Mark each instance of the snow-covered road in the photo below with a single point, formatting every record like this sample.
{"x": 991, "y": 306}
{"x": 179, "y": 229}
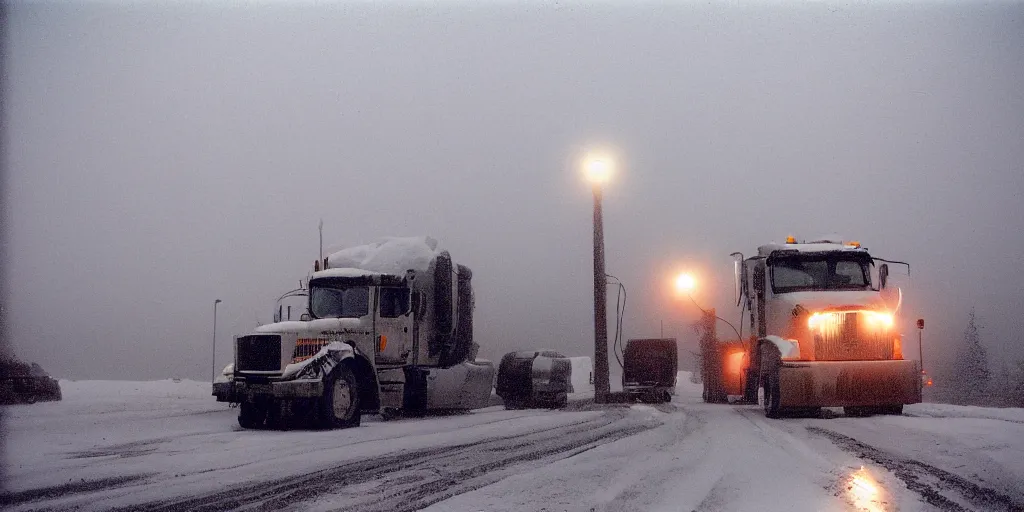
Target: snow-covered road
{"x": 168, "y": 446}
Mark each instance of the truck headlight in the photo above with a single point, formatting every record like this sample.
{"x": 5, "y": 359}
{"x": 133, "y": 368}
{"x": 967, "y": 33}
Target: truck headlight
{"x": 879, "y": 319}
{"x": 823, "y": 320}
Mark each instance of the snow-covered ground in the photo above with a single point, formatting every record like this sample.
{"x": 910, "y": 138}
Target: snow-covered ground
{"x": 169, "y": 446}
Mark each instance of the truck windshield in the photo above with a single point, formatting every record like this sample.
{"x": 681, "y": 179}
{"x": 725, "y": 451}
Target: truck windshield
{"x": 348, "y": 302}
{"x": 820, "y": 272}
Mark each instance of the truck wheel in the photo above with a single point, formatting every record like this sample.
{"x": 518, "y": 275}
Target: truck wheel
{"x": 339, "y": 407}
{"x": 560, "y": 401}
{"x": 770, "y": 381}
{"x": 250, "y": 415}
{"x": 894, "y": 410}
{"x": 858, "y": 412}
{"x": 414, "y": 393}
{"x": 389, "y": 413}
{"x": 514, "y": 403}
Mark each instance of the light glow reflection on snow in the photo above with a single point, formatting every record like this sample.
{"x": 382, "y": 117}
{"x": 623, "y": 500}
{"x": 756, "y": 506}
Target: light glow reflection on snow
{"x": 865, "y": 491}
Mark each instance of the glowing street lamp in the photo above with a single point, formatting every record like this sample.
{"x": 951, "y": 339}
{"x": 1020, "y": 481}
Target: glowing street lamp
{"x": 598, "y": 170}
{"x": 685, "y": 283}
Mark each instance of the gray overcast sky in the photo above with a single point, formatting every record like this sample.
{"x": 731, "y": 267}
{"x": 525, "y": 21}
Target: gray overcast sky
{"x": 159, "y": 156}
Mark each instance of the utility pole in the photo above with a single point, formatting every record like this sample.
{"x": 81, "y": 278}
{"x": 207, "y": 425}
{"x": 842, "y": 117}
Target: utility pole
{"x": 601, "y": 384}
{"x": 711, "y": 362}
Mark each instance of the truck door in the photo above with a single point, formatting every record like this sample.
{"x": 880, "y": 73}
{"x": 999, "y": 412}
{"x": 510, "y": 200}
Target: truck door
{"x": 393, "y": 321}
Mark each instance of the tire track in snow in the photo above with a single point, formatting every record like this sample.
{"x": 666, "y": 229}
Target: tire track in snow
{"x": 936, "y": 486}
{"x": 413, "y": 480}
{"x": 8, "y": 499}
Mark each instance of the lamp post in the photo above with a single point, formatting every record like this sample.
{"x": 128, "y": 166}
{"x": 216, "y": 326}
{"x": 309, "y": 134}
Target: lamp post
{"x": 213, "y": 357}
{"x": 710, "y": 353}
{"x": 685, "y": 283}
{"x": 598, "y": 170}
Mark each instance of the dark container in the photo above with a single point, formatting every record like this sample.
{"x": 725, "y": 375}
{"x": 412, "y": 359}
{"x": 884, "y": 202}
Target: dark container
{"x": 650, "y": 366}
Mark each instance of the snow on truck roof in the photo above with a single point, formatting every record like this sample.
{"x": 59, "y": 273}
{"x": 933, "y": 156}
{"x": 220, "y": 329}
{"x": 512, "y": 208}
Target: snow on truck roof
{"x": 392, "y": 255}
{"x": 824, "y": 246}
{"x": 345, "y": 272}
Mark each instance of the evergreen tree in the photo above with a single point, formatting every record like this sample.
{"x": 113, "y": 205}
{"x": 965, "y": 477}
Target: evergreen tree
{"x": 1017, "y": 387}
{"x": 970, "y": 369}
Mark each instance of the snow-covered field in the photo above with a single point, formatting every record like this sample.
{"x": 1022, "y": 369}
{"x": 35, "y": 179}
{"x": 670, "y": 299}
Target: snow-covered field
{"x": 168, "y": 445}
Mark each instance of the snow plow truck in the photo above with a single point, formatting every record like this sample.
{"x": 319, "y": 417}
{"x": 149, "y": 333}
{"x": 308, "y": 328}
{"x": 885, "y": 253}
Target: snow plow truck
{"x": 380, "y": 320}
{"x": 824, "y": 333}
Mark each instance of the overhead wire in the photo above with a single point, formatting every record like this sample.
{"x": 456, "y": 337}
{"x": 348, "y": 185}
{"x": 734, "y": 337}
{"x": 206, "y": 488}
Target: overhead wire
{"x": 620, "y": 311}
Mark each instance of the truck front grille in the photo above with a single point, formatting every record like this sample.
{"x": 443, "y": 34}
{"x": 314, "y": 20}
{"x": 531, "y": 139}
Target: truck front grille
{"x": 306, "y": 348}
{"x": 847, "y": 337}
{"x": 258, "y": 353}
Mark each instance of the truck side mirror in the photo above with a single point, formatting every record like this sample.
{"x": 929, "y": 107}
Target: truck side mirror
{"x": 883, "y": 276}
{"x": 737, "y": 278}
{"x": 739, "y": 271}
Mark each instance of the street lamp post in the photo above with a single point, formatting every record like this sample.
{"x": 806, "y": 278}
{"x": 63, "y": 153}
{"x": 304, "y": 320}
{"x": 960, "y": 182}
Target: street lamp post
{"x": 710, "y": 354}
{"x": 685, "y": 283}
{"x": 213, "y": 357}
{"x": 598, "y": 171}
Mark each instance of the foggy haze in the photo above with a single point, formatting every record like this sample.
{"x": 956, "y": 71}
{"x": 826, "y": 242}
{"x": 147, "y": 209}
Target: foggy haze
{"x": 158, "y": 157}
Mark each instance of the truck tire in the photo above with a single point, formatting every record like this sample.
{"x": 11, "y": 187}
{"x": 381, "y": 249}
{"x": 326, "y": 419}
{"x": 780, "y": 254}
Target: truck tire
{"x": 559, "y": 401}
{"x": 414, "y": 393}
{"x": 893, "y": 410}
{"x": 461, "y": 343}
{"x": 515, "y": 403}
{"x": 339, "y": 407}
{"x": 443, "y": 300}
{"x": 858, "y": 412}
{"x": 770, "y": 363}
{"x": 251, "y": 415}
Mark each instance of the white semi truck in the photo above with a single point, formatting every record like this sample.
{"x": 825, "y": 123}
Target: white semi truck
{"x": 388, "y": 328}
{"x": 822, "y": 333}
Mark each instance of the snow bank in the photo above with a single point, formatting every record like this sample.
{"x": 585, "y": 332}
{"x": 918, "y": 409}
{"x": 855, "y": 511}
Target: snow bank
{"x": 392, "y": 255}
{"x": 687, "y": 385}
{"x": 582, "y": 376}
{"x": 1014, "y": 414}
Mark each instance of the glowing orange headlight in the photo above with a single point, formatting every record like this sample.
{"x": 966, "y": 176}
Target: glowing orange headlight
{"x": 880, "y": 319}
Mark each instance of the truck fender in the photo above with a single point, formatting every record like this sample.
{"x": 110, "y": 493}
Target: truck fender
{"x": 321, "y": 364}
{"x": 789, "y": 349}
{"x": 328, "y": 358}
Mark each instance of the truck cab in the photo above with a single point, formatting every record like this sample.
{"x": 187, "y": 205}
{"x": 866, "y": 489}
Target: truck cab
{"x": 368, "y": 341}
{"x": 369, "y": 308}
{"x": 821, "y": 298}
{"x": 825, "y": 329}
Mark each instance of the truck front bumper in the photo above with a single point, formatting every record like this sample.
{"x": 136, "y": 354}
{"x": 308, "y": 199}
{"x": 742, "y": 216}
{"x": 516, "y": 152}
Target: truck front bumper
{"x": 849, "y": 383}
{"x": 241, "y": 391}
